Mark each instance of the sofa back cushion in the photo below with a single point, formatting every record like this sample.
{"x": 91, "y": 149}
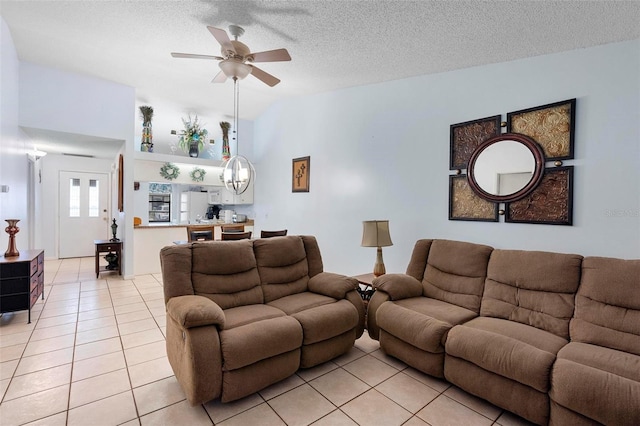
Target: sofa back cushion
{"x": 314, "y": 259}
{"x": 455, "y": 272}
{"x": 532, "y": 287}
{"x": 282, "y": 265}
{"x": 226, "y": 272}
{"x": 418, "y": 262}
{"x": 608, "y": 304}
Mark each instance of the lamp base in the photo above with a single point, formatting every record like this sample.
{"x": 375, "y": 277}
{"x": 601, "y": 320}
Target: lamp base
{"x": 378, "y": 267}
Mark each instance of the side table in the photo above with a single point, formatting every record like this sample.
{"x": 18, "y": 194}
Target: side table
{"x": 365, "y": 289}
{"x": 107, "y": 246}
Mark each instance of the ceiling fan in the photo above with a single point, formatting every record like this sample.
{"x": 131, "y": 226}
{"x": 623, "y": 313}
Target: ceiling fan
{"x": 236, "y": 58}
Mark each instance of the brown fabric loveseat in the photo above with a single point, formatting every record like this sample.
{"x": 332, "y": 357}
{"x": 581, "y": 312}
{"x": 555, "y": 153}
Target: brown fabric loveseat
{"x": 552, "y": 337}
{"x": 242, "y": 315}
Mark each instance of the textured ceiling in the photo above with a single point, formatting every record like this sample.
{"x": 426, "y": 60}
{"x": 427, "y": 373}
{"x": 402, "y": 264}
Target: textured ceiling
{"x": 334, "y": 44}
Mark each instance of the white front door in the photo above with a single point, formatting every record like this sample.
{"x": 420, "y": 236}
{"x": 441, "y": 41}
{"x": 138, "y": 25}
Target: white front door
{"x": 83, "y": 210}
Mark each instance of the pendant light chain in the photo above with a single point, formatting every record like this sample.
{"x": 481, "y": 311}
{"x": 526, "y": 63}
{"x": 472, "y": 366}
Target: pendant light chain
{"x": 236, "y": 111}
{"x": 238, "y": 171}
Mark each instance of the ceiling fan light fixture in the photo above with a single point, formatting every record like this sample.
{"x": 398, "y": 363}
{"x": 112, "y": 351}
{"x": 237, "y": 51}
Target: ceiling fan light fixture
{"x": 234, "y": 69}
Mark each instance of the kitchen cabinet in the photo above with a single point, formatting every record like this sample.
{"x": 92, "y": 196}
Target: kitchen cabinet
{"x": 21, "y": 281}
{"x": 226, "y": 197}
{"x": 159, "y": 207}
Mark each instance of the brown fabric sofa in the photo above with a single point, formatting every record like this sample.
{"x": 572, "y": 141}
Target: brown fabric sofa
{"x": 596, "y": 378}
{"x": 442, "y": 292}
{"x": 242, "y": 315}
{"x": 552, "y": 337}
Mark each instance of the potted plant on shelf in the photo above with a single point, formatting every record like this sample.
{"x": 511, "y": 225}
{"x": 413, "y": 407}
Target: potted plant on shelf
{"x": 193, "y": 137}
{"x": 146, "y": 144}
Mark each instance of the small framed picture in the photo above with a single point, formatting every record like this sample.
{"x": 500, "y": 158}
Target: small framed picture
{"x": 300, "y": 174}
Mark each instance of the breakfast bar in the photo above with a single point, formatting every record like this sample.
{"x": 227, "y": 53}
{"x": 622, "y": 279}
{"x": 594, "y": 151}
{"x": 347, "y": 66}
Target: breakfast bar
{"x": 149, "y": 239}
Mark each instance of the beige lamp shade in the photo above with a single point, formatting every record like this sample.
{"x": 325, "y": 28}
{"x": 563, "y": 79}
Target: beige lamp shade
{"x": 375, "y": 233}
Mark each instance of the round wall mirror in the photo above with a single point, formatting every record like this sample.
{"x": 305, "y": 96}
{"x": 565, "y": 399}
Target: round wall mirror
{"x": 506, "y": 168}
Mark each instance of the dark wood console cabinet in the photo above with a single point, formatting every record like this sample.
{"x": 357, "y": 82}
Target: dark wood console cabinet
{"x": 21, "y": 281}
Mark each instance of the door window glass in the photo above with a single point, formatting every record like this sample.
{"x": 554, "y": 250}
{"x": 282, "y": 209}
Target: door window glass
{"x": 74, "y": 197}
{"x": 94, "y": 199}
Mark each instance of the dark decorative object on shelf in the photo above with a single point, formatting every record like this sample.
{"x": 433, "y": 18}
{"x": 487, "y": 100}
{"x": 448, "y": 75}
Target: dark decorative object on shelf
{"x": 112, "y": 258}
{"x": 114, "y": 229}
{"x": 193, "y": 136}
{"x": 12, "y": 230}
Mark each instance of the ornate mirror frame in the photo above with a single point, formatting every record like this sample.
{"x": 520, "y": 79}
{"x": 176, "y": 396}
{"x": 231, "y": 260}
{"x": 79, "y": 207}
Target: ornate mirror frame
{"x": 538, "y": 171}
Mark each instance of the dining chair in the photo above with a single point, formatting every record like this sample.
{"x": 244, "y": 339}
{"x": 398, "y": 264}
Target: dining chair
{"x": 269, "y": 234}
{"x": 200, "y": 233}
{"x": 228, "y": 236}
{"x": 232, "y": 228}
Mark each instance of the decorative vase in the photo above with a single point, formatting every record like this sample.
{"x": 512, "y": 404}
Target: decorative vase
{"x": 114, "y": 229}
{"x": 147, "y": 138}
{"x": 112, "y": 258}
{"x": 226, "y": 152}
{"x": 193, "y": 148}
{"x": 12, "y": 230}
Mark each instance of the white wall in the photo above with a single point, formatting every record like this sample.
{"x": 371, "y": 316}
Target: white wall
{"x": 67, "y": 102}
{"x": 14, "y": 166}
{"x": 381, "y": 152}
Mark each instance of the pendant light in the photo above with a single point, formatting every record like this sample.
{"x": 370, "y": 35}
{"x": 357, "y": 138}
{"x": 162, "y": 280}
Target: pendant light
{"x": 238, "y": 170}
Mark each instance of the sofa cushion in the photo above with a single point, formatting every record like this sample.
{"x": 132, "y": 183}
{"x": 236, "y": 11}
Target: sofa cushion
{"x": 510, "y": 349}
{"x": 532, "y": 287}
{"x": 242, "y": 315}
{"x": 232, "y": 279}
{"x": 327, "y": 321}
{"x": 300, "y": 302}
{"x": 608, "y": 304}
{"x": 455, "y": 273}
{"x": 600, "y": 383}
{"x": 421, "y": 321}
{"x": 259, "y": 340}
{"x": 282, "y": 265}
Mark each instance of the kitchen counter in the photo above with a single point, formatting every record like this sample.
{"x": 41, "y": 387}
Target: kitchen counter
{"x": 148, "y": 240}
{"x": 249, "y": 222}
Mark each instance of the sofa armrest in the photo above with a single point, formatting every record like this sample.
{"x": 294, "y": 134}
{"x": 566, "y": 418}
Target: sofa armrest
{"x": 195, "y": 311}
{"x": 332, "y": 285}
{"x": 398, "y": 286}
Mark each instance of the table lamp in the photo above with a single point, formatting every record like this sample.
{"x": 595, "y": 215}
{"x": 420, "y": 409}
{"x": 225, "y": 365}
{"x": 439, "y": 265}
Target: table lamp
{"x": 375, "y": 233}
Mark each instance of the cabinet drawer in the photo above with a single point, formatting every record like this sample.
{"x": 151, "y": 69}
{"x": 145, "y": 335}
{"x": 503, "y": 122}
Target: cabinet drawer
{"x": 14, "y": 285}
{"x": 41, "y": 262}
{"x": 108, "y": 247}
{"x": 34, "y": 296}
{"x": 35, "y": 280}
{"x": 18, "y": 269}
{"x": 14, "y": 302}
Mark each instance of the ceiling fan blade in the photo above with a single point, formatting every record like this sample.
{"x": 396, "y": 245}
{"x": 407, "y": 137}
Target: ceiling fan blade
{"x": 276, "y": 55}
{"x": 194, "y": 56}
{"x": 264, "y": 76}
{"x": 219, "y": 78}
{"x": 222, "y": 37}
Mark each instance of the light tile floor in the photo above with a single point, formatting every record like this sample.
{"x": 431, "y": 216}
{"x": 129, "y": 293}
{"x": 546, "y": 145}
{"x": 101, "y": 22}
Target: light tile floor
{"x": 94, "y": 354}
